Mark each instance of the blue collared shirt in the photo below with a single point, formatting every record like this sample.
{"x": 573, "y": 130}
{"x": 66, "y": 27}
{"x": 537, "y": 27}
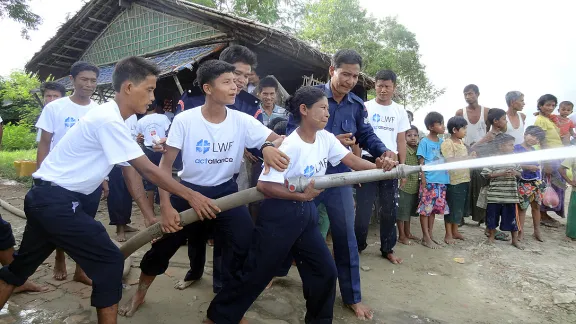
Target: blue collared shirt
{"x": 348, "y": 116}
{"x": 277, "y": 112}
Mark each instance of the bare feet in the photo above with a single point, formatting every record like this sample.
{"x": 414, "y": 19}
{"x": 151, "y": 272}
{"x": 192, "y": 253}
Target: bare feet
{"x": 430, "y": 244}
{"x": 520, "y": 235}
{"x": 393, "y": 258}
{"x": 150, "y": 221}
{"x": 517, "y": 245}
{"x": 60, "y": 272}
{"x": 30, "y": 286}
{"x": 538, "y": 236}
{"x": 405, "y": 241}
{"x": 181, "y": 284}
{"x": 120, "y": 236}
{"x": 448, "y": 239}
{"x": 490, "y": 241}
{"x": 412, "y": 237}
{"x": 458, "y": 236}
{"x": 133, "y": 304}
{"x": 130, "y": 229}
{"x": 80, "y": 276}
{"x": 362, "y": 311}
{"x": 435, "y": 241}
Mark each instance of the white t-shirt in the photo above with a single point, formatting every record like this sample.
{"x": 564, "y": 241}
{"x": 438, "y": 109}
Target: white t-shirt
{"x": 1, "y": 120}
{"x": 387, "y": 122}
{"x": 59, "y": 116}
{"x": 573, "y": 118}
{"x": 87, "y": 153}
{"x": 154, "y": 124}
{"x": 132, "y": 124}
{"x": 308, "y": 159}
{"x": 212, "y": 153}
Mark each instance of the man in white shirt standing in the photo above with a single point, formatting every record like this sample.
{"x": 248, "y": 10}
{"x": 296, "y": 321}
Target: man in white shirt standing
{"x": 50, "y": 91}
{"x": 390, "y": 122}
{"x": 55, "y": 206}
{"x": 56, "y": 119}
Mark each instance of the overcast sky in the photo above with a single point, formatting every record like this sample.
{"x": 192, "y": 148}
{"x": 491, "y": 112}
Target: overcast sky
{"x": 498, "y": 45}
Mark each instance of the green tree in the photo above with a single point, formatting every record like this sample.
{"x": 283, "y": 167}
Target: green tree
{"x": 383, "y": 43}
{"x": 265, "y": 11}
{"x": 18, "y": 103}
{"x": 19, "y": 11}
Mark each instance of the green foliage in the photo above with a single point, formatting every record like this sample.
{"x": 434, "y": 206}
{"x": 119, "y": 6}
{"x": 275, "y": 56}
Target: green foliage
{"x": 19, "y": 11}
{"x": 7, "y": 169}
{"x": 21, "y": 106}
{"x": 265, "y": 11}
{"x": 18, "y": 137}
{"x": 383, "y": 43}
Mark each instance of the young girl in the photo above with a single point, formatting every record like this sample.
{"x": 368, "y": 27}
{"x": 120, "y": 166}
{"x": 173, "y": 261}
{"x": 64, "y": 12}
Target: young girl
{"x": 288, "y": 221}
{"x": 433, "y": 186}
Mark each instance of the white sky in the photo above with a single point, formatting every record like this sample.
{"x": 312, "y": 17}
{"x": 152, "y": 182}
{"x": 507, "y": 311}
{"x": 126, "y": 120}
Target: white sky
{"x": 499, "y": 45}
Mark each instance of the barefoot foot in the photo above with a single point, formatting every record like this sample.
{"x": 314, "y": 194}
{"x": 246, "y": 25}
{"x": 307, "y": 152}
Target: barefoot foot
{"x": 448, "y": 239}
{"x": 30, "y": 286}
{"x": 538, "y": 236}
{"x": 362, "y": 311}
{"x": 60, "y": 272}
{"x": 181, "y": 284}
{"x": 518, "y": 245}
{"x": 405, "y": 241}
{"x": 430, "y": 244}
{"x": 458, "y": 236}
{"x": 120, "y": 237}
{"x": 414, "y": 238}
{"x": 80, "y": 276}
{"x": 435, "y": 241}
{"x": 130, "y": 229}
{"x": 393, "y": 258}
{"x": 133, "y": 304}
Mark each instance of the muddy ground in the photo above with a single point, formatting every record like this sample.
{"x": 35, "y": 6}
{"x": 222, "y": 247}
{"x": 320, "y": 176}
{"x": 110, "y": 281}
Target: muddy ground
{"x": 495, "y": 284}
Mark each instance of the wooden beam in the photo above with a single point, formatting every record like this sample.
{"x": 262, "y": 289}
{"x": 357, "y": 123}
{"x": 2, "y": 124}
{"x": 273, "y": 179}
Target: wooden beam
{"x": 90, "y": 30}
{"x": 97, "y": 20}
{"x": 64, "y": 56}
{"x": 178, "y": 84}
{"x": 80, "y": 39}
{"x": 51, "y": 66}
{"x": 73, "y": 48}
{"x": 125, "y": 3}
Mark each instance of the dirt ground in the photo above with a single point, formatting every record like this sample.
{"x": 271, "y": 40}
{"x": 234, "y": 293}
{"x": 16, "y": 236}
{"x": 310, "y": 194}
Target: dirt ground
{"x": 495, "y": 284}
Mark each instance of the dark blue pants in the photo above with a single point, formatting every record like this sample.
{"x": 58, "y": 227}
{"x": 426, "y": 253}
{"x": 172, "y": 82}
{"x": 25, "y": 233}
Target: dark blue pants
{"x": 119, "y": 199}
{"x": 56, "y": 218}
{"x": 6, "y": 236}
{"x": 283, "y": 227}
{"x": 155, "y": 158}
{"x": 232, "y": 235}
{"x": 387, "y": 194}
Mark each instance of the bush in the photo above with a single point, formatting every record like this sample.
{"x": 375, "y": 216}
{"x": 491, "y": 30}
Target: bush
{"x": 18, "y": 137}
{"x": 7, "y": 169}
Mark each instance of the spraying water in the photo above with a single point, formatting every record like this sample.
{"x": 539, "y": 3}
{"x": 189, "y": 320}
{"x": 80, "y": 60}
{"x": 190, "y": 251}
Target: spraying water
{"x": 516, "y": 158}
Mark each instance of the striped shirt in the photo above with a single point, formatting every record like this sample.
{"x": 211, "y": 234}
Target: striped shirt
{"x": 502, "y": 190}
{"x": 413, "y": 182}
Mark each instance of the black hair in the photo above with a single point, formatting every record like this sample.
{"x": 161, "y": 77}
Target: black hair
{"x": 456, "y": 122}
{"x": 414, "y": 128}
{"x": 569, "y": 103}
{"x": 386, "y": 75}
{"x": 210, "y": 70}
{"x": 432, "y": 118}
{"x": 275, "y": 121}
{"x": 268, "y": 82}
{"x": 238, "y": 53}
{"x": 280, "y": 127}
{"x": 410, "y": 113}
{"x": 83, "y": 66}
{"x": 501, "y": 139}
{"x": 547, "y": 97}
{"x": 472, "y": 87}
{"x": 495, "y": 114}
{"x": 346, "y": 56}
{"x": 55, "y": 86}
{"x": 537, "y": 132}
{"x": 306, "y": 95}
{"x": 133, "y": 68}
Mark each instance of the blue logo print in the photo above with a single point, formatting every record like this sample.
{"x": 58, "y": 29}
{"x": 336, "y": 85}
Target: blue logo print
{"x": 376, "y": 117}
{"x": 69, "y": 122}
{"x": 202, "y": 146}
{"x": 309, "y": 171}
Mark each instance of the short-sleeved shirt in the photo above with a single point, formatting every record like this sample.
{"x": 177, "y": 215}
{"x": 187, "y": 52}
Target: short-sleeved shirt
{"x": 526, "y": 174}
{"x": 502, "y": 190}
{"x": 387, "y": 122}
{"x": 153, "y": 124}
{"x": 60, "y": 115}
{"x": 413, "y": 184}
{"x": 552, "y": 131}
{"x": 87, "y": 152}
{"x": 565, "y": 125}
{"x": 450, "y": 149}
{"x": 277, "y": 112}
{"x": 307, "y": 159}
{"x": 212, "y": 153}
{"x": 431, "y": 152}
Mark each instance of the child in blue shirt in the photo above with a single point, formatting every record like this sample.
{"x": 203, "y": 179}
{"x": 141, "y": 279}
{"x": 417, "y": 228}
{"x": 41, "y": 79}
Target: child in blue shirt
{"x": 434, "y": 183}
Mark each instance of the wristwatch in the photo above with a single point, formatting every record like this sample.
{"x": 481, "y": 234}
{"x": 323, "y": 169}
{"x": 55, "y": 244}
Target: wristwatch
{"x": 266, "y": 144}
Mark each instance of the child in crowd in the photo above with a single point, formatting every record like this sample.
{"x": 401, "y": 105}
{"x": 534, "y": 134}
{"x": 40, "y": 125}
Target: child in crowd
{"x": 530, "y": 185}
{"x": 433, "y": 185}
{"x": 408, "y": 193}
{"x": 502, "y": 195}
{"x": 454, "y": 149}
{"x": 564, "y": 123}
{"x": 571, "y": 221}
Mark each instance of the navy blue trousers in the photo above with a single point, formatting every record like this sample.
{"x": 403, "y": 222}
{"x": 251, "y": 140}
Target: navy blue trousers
{"x": 232, "y": 234}
{"x": 283, "y": 227}
{"x": 57, "y": 218}
{"x": 119, "y": 199}
{"x": 387, "y": 194}
{"x": 6, "y": 236}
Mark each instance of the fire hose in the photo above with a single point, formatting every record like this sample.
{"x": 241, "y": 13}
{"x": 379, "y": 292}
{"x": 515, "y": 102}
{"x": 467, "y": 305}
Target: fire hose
{"x": 252, "y": 195}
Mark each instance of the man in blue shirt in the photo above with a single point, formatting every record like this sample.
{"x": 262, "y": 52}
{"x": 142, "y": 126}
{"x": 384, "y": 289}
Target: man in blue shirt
{"x": 268, "y": 94}
{"x": 349, "y": 122}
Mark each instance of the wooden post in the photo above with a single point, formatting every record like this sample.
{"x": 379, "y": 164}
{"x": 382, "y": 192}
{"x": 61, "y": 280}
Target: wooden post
{"x": 38, "y": 99}
{"x": 101, "y": 95}
{"x": 178, "y": 84}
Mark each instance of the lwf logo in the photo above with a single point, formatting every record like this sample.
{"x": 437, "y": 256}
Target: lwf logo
{"x": 386, "y": 119}
{"x": 309, "y": 171}
{"x": 69, "y": 122}
{"x": 376, "y": 118}
{"x": 202, "y": 146}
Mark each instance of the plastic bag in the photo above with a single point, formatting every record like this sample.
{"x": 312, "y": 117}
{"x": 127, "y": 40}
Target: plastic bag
{"x": 550, "y": 198}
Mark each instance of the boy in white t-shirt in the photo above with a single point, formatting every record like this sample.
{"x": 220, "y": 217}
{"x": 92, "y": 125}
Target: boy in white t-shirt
{"x": 50, "y": 91}
{"x": 288, "y": 221}
{"x": 212, "y": 139}
{"x": 390, "y": 122}
{"x": 55, "y": 206}
{"x": 56, "y": 119}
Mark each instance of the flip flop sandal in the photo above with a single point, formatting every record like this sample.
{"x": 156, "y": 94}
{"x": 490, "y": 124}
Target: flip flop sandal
{"x": 501, "y": 236}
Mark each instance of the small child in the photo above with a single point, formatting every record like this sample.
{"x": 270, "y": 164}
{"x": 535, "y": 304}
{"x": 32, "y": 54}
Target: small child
{"x": 564, "y": 123}
{"x": 502, "y": 195}
{"x": 571, "y": 221}
{"x": 408, "y": 193}
{"x": 433, "y": 184}
{"x": 530, "y": 185}
{"x": 453, "y": 149}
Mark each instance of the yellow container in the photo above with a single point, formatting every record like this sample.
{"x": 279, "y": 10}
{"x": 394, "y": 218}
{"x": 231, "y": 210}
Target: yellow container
{"x": 25, "y": 168}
